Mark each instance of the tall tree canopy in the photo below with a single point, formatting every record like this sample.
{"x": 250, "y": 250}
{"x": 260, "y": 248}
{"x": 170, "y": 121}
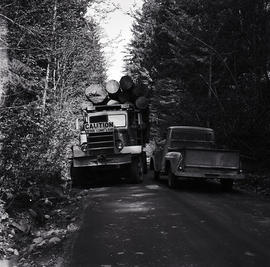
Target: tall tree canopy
{"x": 54, "y": 53}
{"x": 207, "y": 63}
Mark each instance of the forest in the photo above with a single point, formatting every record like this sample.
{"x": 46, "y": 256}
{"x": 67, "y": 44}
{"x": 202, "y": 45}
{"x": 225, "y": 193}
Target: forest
{"x": 207, "y": 64}
{"x": 54, "y": 53}
{"x": 204, "y": 62}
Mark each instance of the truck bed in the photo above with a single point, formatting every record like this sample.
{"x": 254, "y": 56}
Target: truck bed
{"x": 211, "y": 158}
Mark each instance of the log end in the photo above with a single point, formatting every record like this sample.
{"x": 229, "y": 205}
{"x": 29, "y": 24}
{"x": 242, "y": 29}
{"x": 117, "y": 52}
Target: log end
{"x": 96, "y": 93}
{"x": 126, "y": 83}
{"x": 112, "y": 86}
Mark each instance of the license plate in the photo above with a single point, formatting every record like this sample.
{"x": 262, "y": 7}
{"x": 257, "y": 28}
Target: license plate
{"x": 97, "y": 127}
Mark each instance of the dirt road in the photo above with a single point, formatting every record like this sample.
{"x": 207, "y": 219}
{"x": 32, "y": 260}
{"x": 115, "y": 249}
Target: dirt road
{"x": 151, "y": 225}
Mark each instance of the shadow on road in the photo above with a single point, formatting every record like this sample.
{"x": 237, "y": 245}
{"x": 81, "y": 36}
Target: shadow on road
{"x": 103, "y": 179}
{"x": 197, "y": 186}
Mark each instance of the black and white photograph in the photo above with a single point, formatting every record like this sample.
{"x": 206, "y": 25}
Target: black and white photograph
{"x": 134, "y": 133}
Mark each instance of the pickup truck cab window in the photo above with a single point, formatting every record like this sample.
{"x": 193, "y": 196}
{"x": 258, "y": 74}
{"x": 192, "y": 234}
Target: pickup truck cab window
{"x": 193, "y": 135}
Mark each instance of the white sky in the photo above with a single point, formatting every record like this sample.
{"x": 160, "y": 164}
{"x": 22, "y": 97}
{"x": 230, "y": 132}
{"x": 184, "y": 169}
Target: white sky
{"x": 116, "y": 35}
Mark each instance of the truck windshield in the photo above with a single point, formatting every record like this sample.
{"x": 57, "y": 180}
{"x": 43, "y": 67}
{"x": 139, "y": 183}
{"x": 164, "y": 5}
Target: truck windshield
{"x": 192, "y": 135}
{"x": 119, "y": 120}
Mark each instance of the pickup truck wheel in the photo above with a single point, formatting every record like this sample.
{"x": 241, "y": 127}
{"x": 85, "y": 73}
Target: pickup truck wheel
{"x": 136, "y": 169}
{"x": 172, "y": 179}
{"x": 227, "y": 184}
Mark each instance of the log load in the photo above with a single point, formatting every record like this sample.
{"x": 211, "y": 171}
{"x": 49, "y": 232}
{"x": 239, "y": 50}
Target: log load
{"x": 124, "y": 97}
{"x": 86, "y": 105}
{"x": 96, "y": 93}
{"x": 113, "y": 89}
{"x": 140, "y": 89}
{"x": 112, "y": 102}
{"x": 123, "y": 92}
{"x": 126, "y": 83}
{"x": 142, "y": 102}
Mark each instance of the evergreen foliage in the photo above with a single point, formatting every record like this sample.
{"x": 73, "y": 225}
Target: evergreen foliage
{"x": 207, "y": 63}
{"x": 54, "y": 53}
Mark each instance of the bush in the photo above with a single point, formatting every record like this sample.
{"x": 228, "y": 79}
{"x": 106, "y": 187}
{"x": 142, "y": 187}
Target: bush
{"x": 35, "y": 145}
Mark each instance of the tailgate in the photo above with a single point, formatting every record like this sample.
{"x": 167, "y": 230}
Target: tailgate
{"x": 218, "y": 159}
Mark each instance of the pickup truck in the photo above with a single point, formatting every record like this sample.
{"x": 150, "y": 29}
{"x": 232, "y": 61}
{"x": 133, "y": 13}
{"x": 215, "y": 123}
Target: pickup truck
{"x": 191, "y": 152}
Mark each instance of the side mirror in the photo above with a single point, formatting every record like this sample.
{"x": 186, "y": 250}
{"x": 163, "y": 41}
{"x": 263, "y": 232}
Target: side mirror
{"x": 77, "y": 124}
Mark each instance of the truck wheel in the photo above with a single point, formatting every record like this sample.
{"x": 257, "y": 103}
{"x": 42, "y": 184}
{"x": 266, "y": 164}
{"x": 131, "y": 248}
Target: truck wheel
{"x": 136, "y": 169}
{"x": 151, "y": 166}
{"x": 156, "y": 175}
{"x": 227, "y": 184}
{"x": 76, "y": 176}
{"x": 145, "y": 169}
{"x": 172, "y": 179}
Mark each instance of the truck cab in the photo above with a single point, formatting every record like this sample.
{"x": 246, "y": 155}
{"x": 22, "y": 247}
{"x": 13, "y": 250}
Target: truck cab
{"x": 111, "y": 137}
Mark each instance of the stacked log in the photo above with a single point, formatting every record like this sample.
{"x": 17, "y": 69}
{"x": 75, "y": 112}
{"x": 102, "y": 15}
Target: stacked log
{"x": 114, "y": 92}
{"x": 113, "y": 89}
{"x": 96, "y": 93}
{"x": 123, "y": 92}
{"x": 142, "y": 102}
{"x": 126, "y": 83}
{"x": 112, "y": 102}
{"x": 139, "y": 89}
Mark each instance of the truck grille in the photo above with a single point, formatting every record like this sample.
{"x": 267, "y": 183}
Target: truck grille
{"x": 100, "y": 143}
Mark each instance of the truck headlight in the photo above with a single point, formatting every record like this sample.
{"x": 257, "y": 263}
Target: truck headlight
{"x": 119, "y": 144}
{"x": 83, "y": 138}
{"x": 84, "y": 147}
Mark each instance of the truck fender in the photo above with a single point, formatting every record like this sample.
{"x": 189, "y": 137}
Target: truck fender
{"x": 175, "y": 159}
{"x": 132, "y": 150}
{"x": 77, "y": 152}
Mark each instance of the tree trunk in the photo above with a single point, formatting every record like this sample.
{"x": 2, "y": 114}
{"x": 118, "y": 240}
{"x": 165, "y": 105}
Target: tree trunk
{"x": 54, "y": 60}
{"x": 209, "y": 89}
{"x": 3, "y": 56}
{"x": 46, "y": 86}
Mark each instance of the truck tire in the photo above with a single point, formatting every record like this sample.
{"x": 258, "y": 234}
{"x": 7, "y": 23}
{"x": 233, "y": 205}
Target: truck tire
{"x": 136, "y": 170}
{"x": 76, "y": 176}
{"x": 151, "y": 166}
{"x": 145, "y": 169}
{"x": 156, "y": 175}
{"x": 172, "y": 179}
{"x": 227, "y": 184}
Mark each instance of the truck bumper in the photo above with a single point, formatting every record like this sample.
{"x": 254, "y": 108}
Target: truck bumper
{"x": 105, "y": 161}
{"x": 211, "y": 175}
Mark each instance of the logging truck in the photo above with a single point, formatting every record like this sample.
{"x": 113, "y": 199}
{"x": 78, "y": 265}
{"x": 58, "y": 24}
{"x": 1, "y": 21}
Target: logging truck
{"x": 112, "y": 137}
